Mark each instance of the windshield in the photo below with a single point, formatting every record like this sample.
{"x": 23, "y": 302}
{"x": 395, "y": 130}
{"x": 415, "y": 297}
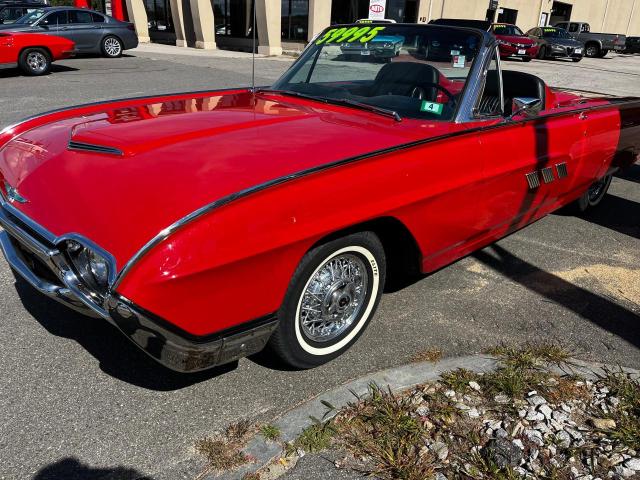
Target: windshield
{"x": 413, "y": 71}
{"x": 31, "y": 17}
{"x": 555, "y": 33}
{"x": 507, "y": 30}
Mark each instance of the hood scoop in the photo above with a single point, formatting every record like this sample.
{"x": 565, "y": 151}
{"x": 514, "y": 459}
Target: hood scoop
{"x": 93, "y": 148}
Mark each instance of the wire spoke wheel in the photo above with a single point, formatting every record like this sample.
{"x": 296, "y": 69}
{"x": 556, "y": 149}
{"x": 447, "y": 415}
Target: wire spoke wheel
{"x": 334, "y": 297}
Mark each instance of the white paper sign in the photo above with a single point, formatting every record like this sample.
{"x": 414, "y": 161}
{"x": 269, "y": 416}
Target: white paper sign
{"x": 377, "y": 9}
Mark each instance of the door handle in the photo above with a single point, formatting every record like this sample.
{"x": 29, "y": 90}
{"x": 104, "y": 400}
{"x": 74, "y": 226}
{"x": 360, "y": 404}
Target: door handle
{"x": 583, "y": 116}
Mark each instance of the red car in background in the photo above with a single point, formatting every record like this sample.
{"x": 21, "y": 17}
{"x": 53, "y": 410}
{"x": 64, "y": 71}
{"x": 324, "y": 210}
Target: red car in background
{"x": 513, "y": 42}
{"x": 33, "y": 52}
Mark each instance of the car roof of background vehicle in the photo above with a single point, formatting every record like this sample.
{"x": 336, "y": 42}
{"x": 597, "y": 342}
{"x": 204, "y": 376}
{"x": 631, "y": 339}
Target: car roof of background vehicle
{"x": 462, "y": 22}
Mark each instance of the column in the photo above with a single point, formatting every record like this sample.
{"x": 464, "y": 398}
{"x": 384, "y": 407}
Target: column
{"x": 178, "y": 22}
{"x": 269, "y": 31}
{"x": 425, "y": 11}
{"x": 116, "y": 9}
{"x": 319, "y": 16}
{"x": 138, "y": 16}
{"x": 203, "y": 24}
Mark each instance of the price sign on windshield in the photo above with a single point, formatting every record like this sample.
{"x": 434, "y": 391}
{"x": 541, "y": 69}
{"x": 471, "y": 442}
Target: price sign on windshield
{"x": 348, "y": 35}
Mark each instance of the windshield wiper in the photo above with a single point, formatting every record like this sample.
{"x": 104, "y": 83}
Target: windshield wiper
{"x": 365, "y": 106}
{"x": 336, "y": 101}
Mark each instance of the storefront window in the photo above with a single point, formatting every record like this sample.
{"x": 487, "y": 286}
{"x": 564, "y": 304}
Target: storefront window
{"x": 159, "y": 15}
{"x": 402, "y": 11}
{"x": 348, "y": 11}
{"x": 234, "y": 18}
{"x": 295, "y": 20}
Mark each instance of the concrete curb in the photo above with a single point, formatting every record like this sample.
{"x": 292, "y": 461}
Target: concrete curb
{"x": 293, "y": 422}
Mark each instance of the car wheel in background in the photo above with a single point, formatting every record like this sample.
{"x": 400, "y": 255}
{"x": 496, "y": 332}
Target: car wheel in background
{"x": 332, "y": 296}
{"x": 542, "y": 53}
{"x": 603, "y": 53}
{"x": 592, "y": 50}
{"x": 112, "y": 46}
{"x": 594, "y": 195}
{"x": 577, "y": 59}
{"x": 526, "y": 59}
{"x": 35, "y": 61}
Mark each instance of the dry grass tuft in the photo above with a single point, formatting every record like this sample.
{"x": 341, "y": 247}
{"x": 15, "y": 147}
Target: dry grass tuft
{"x": 433, "y": 355}
{"x": 224, "y": 452}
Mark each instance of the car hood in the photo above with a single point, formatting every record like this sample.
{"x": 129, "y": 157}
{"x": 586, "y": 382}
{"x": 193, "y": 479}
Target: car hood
{"x": 16, "y": 28}
{"x": 121, "y": 175}
{"x": 516, "y": 39}
{"x": 565, "y": 42}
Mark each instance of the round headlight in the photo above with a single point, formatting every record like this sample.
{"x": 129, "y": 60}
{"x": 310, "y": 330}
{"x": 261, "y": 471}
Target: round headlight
{"x": 99, "y": 268}
{"x": 92, "y": 267}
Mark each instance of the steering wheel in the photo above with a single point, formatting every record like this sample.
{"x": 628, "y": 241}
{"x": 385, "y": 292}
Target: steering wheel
{"x": 420, "y": 93}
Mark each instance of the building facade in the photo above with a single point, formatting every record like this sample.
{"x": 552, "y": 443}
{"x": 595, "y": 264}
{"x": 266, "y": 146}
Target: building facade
{"x": 289, "y": 24}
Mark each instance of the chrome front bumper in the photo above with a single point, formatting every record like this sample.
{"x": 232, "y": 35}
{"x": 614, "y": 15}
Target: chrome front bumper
{"x": 33, "y": 254}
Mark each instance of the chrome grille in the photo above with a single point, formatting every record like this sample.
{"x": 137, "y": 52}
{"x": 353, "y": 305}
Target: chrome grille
{"x": 533, "y": 180}
{"x": 561, "y": 168}
{"x": 547, "y": 175}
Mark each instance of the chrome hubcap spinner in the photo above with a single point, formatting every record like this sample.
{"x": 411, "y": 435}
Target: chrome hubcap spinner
{"x": 334, "y": 297}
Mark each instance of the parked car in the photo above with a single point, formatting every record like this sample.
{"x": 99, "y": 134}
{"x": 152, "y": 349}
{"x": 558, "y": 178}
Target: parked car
{"x": 632, "y": 45}
{"x": 92, "y": 32}
{"x": 556, "y": 43}
{"x": 12, "y": 11}
{"x": 32, "y": 52}
{"x": 210, "y": 237}
{"x": 595, "y": 44}
{"x": 382, "y": 46}
{"x": 513, "y": 42}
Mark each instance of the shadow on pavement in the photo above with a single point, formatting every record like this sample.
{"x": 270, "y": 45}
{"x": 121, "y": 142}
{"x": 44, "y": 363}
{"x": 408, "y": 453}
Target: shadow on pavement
{"x": 631, "y": 174}
{"x": 118, "y": 357}
{"x": 618, "y": 214}
{"x": 16, "y": 72}
{"x": 600, "y": 311}
{"x": 71, "y": 469}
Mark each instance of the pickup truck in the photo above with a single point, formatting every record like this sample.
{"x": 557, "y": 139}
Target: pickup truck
{"x": 595, "y": 44}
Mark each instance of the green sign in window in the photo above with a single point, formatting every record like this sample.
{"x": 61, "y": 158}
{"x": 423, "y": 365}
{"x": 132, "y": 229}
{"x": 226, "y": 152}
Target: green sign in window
{"x": 431, "y": 107}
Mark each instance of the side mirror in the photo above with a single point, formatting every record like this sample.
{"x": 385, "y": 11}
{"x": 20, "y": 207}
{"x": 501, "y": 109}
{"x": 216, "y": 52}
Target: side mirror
{"x": 528, "y": 106}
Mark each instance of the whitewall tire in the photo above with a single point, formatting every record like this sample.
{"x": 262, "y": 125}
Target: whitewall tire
{"x": 331, "y": 298}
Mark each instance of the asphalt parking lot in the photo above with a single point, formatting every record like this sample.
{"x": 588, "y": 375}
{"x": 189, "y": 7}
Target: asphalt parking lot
{"x": 77, "y": 401}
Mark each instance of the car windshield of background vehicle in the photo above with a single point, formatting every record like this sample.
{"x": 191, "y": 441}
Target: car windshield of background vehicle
{"x": 409, "y": 70}
{"x": 507, "y": 30}
{"x": 31, "y": 17}
{"x": 555, "y": 33}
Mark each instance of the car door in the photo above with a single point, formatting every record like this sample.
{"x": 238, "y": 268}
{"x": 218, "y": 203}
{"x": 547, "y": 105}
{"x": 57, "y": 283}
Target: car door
{"x": 55, "y": 23}
{"x": 83, "y": 30}
{"x": 526, "y": 164}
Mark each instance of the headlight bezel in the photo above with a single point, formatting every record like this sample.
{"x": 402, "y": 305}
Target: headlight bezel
{"x": 93, "y": 266}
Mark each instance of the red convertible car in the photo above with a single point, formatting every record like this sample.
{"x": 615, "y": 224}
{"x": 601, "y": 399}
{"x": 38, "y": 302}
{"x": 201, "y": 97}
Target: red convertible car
{"x": 33, "y": 52}
{"x": 206, "y": 226}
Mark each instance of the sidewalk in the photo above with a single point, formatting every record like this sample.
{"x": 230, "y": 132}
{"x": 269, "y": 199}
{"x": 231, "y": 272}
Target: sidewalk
{"x": 158, "y": 48}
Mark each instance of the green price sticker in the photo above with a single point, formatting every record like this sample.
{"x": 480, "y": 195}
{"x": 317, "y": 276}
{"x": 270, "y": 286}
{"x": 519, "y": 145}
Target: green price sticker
{"x": 353, "y": 34}
{"x": 431, "y": 107}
